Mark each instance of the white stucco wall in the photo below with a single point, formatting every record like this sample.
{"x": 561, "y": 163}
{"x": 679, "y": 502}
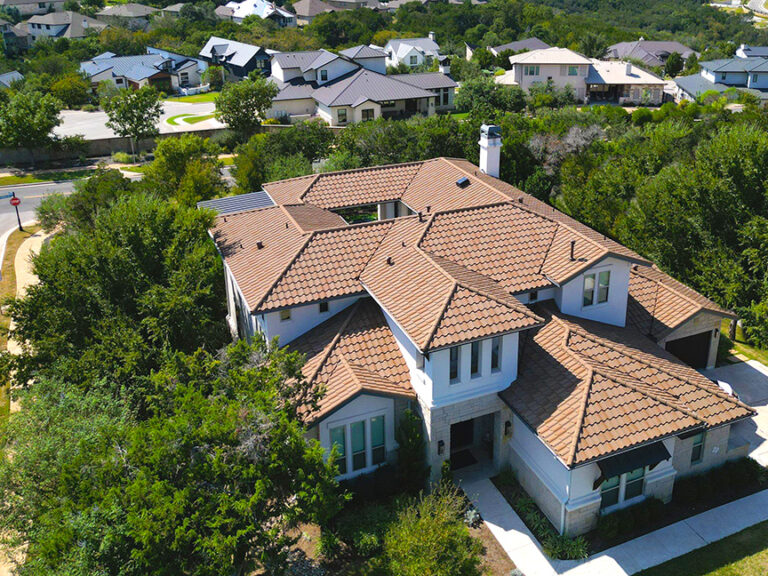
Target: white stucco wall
{"x": 284, "y": 74}
{"x": 555, "y": 72}
{"x": 466, "y": 387}
{"x": 543, "y": 294}
{"x": 614, "y": 311}
{"x": 421, "y": 377}
{"x": 375, "y": 64}
{"x": 334, "y": 69}
{"x": 303, "y": 318}
{"x": 300, "y": 107}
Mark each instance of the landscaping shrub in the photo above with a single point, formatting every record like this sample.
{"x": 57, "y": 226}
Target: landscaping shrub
{"x": 121, "y": 158}
{"x": 380, "y": 484}
{"x": 734, "y": 476}
{"x": 328, "y": 546}
{"x": 429, "y": 537}
{"x": 226, "y": 139}
{"x": 412, "y": 467}
{"x": 362, "y": 526}
{"x": 624, "y": 521}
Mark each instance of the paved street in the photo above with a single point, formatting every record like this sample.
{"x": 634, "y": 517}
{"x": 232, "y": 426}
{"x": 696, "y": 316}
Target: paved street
{"x": 92, "y": 125}
{"x": 31, "y": 196}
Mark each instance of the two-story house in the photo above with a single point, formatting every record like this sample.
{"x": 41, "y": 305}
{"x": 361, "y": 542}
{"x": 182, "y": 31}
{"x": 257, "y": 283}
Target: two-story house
{"x": 521, "y": 336}
{"x": 352, "y": 86}
{"x": 65, "y": 24}
{"x": 412, "y": 51}
{"x": 749, "y": 74}
{"x": 264, "y": 9}
{"x": 236, "y": 58}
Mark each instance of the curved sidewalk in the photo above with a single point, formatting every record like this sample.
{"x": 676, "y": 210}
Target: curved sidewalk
{"x": 625, "y": 559}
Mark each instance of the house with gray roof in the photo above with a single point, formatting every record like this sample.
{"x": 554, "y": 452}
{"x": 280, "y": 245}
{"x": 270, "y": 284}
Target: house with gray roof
{"x": 132, "y": 16}
{"x": 13, "y": 39}
{"x": 32, "y": 7}
{"x": 650, "y": 52}
{"x": 525, "y": 45}
{"x": 744, "y": 74}
{"x": 264, "y": 9}
{"x": 306, "y": 10}
{"x": 412, "y": 51}
{"x": 746, "y": 51}
{"x": 166, "y": 71}
{"x": 237, "y": 58}
{"x": 349, "y": 87}
{"x": 62, "y": 25}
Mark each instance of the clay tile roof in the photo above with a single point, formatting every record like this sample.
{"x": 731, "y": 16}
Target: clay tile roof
{"x": 309, "y": 218}
{"x": 590, "y": 390}
{"x": 353, "y": 353}
{"x": 658, "y": 303}
{"x": 289, "y": 191}
{"x": 437, "y": 302}
{"x": 328, "y": 266}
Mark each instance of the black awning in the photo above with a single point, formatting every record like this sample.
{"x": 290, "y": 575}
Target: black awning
{"x": 649, "y": 455}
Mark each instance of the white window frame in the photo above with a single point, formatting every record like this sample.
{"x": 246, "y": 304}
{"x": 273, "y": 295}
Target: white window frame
{"x": 500, "y": 354}
{"x": 595, "y": 275}
{"x": 348, "y": 456}
{"x": 698, "y": 443}
{"x": 623, "y": 501}
{"x": 531, "y": 70}
{"x": 457, "y": 350}
{"x": 476, "y": 359}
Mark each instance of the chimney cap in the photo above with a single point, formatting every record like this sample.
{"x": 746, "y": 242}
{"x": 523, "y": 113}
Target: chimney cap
{"x": 490, "y": 131}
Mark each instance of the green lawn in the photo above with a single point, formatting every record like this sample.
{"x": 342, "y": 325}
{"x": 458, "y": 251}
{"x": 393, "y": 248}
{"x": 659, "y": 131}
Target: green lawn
{"x": 460, "y": 115}
{"x": 196, "y": 98}
{"x": 36, "y": 177}
{"x": 174, "y": 120}
{"x": 196, "y": 119}
{"x": 740, "y": 346}
{"x": 743, "y": 554}
{"x": 137, "y": 169}
{"x": 228, "y": 160}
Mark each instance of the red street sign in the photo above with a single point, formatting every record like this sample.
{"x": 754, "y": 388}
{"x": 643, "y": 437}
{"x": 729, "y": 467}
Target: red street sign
{"x": 15, "y": 201}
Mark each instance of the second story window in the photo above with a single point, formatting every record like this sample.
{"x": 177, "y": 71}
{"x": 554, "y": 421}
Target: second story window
{"x": 323, "y": 75}
{"x": 496, "y": 353}
{"x": 285, "y": 315}
{"x": 530, "y": 70}
{"x": 323, "y": 307}
{"x": 453, "y": 371}
{"x": 596, "y": 294}
{"x": 573, "y": 70}
{"x": 474, "y": 364}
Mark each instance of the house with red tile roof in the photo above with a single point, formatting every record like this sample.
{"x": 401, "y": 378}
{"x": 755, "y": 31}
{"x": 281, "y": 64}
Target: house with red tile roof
{"x": 522, "y": 337}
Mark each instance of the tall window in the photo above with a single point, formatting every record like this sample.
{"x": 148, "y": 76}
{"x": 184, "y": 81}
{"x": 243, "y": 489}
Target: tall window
{"x": 378, "y": 453}
{"x": 589, "y": 289}
{"x": 445, "y": 97}
{"x": 633, "y": 483}
{"x": 367, "y": 114}
{"x": 609, "y": 492}
{"x": 697, "y": 451}
{"x": 603, "y": 281}
{"x": 357, "y": 433}
{"x": 454, "y": 364}
{"x": 342, "y": 115}
{"x": 496, "y": 353}
{"x": 323, "y": 75}
{"x": 414, "y": 60}
{"x": 475, "y": 358}
{"x": 573, "y": 70}
{"x": 339, "y": 439}
{"x": 622, "y": 488}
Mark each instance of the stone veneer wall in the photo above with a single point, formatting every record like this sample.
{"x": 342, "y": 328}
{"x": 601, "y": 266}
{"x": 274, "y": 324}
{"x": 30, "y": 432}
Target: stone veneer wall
{"x": 715, "y": 452}
{"x": 437, "y": 423}
{"x": 582, "y": 520}
{"x": 536, "y": 489}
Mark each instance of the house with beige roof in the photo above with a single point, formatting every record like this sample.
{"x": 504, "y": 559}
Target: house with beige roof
{"x": 522, "y": 337}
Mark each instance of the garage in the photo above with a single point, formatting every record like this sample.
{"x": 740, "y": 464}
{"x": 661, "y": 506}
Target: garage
{"x": 693, "y": 350}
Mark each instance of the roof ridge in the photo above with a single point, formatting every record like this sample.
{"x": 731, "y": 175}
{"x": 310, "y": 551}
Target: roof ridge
{"x": 361, "y": 169}
{"x": 312, "y": 181}
{"x": 283, "y": 273}
{"x": 439, "y": 318}
{"x": 334, "y": 341}
{"x": 437, "y": 213}
{"x": 587, "y": 380}
{"x": 284, "y": 210}
{"x": 660, "y": 284}
{"x": 349, "y": 76}
{"x": 474, "y": 175}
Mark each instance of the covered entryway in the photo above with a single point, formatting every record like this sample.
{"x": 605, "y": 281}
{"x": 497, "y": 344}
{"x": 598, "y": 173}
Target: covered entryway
{"x": 693, "y": 350}
{"x": 471, "y": 441}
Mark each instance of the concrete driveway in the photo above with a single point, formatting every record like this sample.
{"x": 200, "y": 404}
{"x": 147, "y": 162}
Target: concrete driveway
{"x": 92, "y": 125}
{"x": 750, "y": 381}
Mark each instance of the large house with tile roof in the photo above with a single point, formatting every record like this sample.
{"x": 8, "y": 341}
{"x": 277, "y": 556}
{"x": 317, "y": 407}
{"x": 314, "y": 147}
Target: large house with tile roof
{"x": 522, "y": 337}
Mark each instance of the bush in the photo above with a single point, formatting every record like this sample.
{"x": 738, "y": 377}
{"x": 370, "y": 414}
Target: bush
{"x": 733, "y": 476}
{"x": 271, "y": 122}
{"x": 624, "y": 521}
{"x": 225, "y": 139}
{"x": 429, "y": 537}
{"x": 380, "y": 484}
{"x": 412, "y": 468}
{"x": 362, "y": 527}
{"x": 90, "y": 108}
{"x": 329, "y": 546}
{"x": 641, "y": 116}
{"x": 121, "y": 158}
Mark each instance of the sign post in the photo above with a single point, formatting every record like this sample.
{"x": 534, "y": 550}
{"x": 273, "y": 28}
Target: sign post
{"x": 15, "y": 203}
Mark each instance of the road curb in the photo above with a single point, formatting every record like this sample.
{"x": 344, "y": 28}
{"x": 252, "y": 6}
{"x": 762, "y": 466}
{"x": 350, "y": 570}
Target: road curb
{"x": 6, "y": 235}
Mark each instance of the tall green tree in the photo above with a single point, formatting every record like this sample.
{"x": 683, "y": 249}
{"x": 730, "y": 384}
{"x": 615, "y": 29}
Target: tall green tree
{"x": 243, "y": 105}
{"x": 27, "y": 121}
{"x": 134, "y": 114}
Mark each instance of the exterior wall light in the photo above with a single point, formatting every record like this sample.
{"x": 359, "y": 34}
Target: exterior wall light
{"x": 507, "y": 428}
{"x": 440, "y": 447}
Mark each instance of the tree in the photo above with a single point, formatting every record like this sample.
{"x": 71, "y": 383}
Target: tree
{"x": 242, "y": 105}
{"x": 185, "y": 168}
{"x": 593, "y": 45}
{"x": 71, "y": 89}
{"x": 213, "y": 481}
{"x": 27, "y": 120}
{"x": 412, "y": 469}
{"x": 284, "y": 167}
{"x": 134, "y": 114}
{"x": 214, "y": 77}
{"x": 674, "y": 65}
{"x": 430, "y": 537}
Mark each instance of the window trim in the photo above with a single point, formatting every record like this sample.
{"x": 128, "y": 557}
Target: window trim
{"x": 498, "y": 340}
{"x": 368, "y": 111}
{"x": 574, "y": 69}
{"x": 454, "y": 379}
{"x": 285, "y": 315}
{"x": 339, "y": 112}
{"x": 476, "y": 359}
{"x": 622, "y": 500}
{"x": 346, "y": 424}
{"x": 698, "y": 444}
{"x": 595, "y": 274}
{"x": 323, "y": 75}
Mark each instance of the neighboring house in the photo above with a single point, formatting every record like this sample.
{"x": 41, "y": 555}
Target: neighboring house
{"x": 130, "y": 15}
{"x": 393, "y": 5}
{"x": 174, "y": 10}
{"x": 224, "y": 12}
{"x": 306, "y": 10}
{"x": 561, "y": 66}
{"x": 7, "y": 79}
{"x": 350, "y": 87}
{"x": 264, "y": 9}
{"x": 525, "y": 45}
{"x": 15, "y": 39}
{"x": 356, "y": 4}
{"x": 623, "y": 83}
{"x": 164, "y": 70}
{"x": 746, "y": 74}
{"x": 745, "y": 51}
{"x": 32, "y": 7}
{"x": 522, "y": 337}
{"x": 412, "y": 51}
{"x": 62, "y": 25}
{"x": 649, "y": 52}
{"x": 237, "y": 58}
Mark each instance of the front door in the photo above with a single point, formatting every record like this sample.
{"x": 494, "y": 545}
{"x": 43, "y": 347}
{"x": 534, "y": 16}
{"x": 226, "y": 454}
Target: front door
{"x": 462, "y": 435}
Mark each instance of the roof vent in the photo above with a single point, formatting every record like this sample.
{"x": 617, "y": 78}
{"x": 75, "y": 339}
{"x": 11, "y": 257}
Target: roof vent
{"x": 428, "y": 209}
{"x": 573, "y": 250}
{"x": 421, "y": 216}
{"x": 462, "y": 182}
{"x": 286, "y": 225}
{"x": 259, "y": 245}
{"x": 520, "y": 200}
{"x": 390, "y": 261}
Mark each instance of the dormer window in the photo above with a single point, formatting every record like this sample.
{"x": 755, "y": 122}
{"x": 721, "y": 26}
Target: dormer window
{"x": 323, "y": 75}
{"x": 596, "y": 294}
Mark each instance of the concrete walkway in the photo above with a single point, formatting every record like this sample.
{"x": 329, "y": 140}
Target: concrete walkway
{"x": 622, "y": 560}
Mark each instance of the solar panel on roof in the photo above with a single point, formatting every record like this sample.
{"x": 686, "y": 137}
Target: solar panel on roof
{"x": 239, "y": 203}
